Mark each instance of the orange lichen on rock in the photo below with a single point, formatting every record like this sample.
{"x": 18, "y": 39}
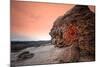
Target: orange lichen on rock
{"x": 70, "y": 34}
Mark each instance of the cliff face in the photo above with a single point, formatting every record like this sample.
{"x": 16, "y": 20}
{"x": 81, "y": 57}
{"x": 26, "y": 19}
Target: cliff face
{"x": 75, "y": 27}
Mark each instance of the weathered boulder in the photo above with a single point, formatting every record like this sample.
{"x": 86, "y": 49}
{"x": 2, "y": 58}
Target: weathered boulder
{"x": 24, "y": 55}
{"x": 75, "y": 27}
{"x": 69, "y": 54}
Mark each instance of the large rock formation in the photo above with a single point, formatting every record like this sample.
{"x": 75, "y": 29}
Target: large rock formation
{"x": 76, "y": 27}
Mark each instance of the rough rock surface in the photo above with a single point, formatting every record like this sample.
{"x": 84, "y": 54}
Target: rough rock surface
{"x": 76, "y": 27}
{"x": 46, "y": 55}
{"x": 25, "y": 55}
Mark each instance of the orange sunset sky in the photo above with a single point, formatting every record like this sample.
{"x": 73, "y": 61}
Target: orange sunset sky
{"x": 33, "y": 20}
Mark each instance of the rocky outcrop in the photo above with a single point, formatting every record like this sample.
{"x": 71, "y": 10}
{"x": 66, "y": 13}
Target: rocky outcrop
{"x": 46, "y": 55}
{"x": 75, "y": 27}
{"x": 69, "y": 54}
{"x": 25, "y": 55}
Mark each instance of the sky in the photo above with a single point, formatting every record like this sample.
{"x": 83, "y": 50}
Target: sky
{"x": 34, "y": 20}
